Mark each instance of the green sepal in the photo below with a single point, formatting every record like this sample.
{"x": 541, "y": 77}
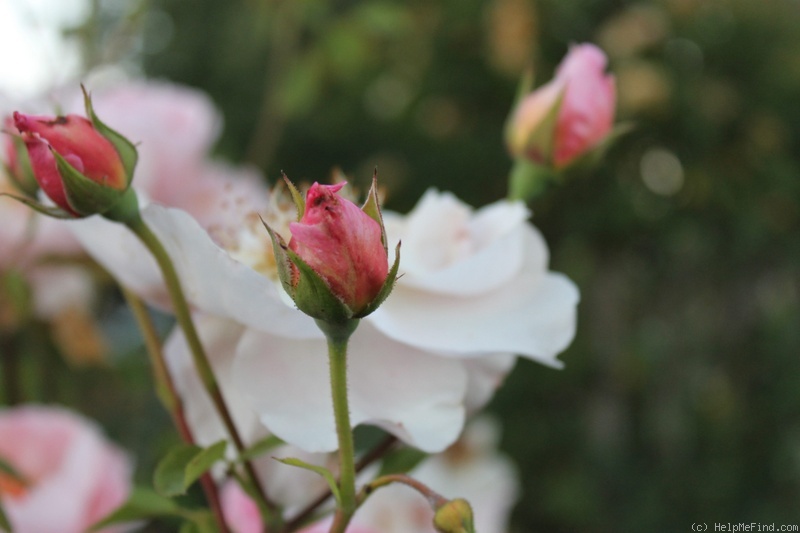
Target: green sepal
{"x": 260, "y": 447}
{"x": 85, "y": 196}
{"x": 387, "y": 287}
{"x": 542, "y": 139}
{"x": 47, "y": 210}
{"x": 297, "y": 197}
{"x": 126, "y": 149}
{"x": 143, "y": 503}
{"x": 373, "y": 209}
{"x": 282, "y": 262}
{"x": 313, "y": 295}
{"x": 126, "y": 210}
{"x": 25, "y": 179}
{"x": 524, "y": 88}
{"x": 5, "y": 524}
{"x": 310, "y": 293}
{"x": 321, "y": 470}
{"x": 184, "y": 465}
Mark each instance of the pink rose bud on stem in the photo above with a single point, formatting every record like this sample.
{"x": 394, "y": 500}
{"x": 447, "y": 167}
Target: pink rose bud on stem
{"x": 335, "y": 266}
{"x": 566, "y": 118}
{"x": 336, "y": 270}
{"x": 82, "y": 165}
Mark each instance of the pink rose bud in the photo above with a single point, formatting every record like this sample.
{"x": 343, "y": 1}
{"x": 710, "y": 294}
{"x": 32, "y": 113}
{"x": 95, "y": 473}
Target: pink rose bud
{"x": 568, "y": 116}
{"x": 335, "y": 266}
{"x": 76, "y": 140}
{"x": 342, "y": 244}
{"x": 84, "y": 166}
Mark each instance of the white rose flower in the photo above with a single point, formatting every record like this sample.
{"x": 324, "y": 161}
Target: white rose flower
{"x": 438, "y": 347}
{"x": 475, "y": 282}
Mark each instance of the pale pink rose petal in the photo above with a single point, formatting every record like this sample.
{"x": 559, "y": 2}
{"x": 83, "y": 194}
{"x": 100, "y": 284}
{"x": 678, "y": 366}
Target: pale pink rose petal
{"x": 410, "y": 393}
{"x": 534, "y": 314}
{"x": 212, "y": 280}
{"x": 76, "y": 476}
{"x": 485, "y": 375}
{"x": 173, "y": 127}
{"x": 449, "y": 248}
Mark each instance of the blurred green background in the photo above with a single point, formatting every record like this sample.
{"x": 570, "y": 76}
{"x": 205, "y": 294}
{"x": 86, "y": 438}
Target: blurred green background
{"x": 680, "y": 400}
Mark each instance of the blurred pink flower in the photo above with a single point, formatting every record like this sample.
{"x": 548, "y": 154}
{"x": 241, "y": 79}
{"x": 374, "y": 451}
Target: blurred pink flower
{"x": 74, "y": 475}
{"x": 342, "y": 244}
{"x": 585, "y": 117}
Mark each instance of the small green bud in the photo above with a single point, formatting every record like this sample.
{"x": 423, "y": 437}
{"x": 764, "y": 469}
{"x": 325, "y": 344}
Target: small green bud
{"x": 454, "y": 516}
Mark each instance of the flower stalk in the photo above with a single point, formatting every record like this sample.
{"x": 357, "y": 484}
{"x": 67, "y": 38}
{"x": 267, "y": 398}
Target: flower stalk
{"x": 527, "y": 180}
{"x": 338, "y": 335}
{"x": 168, "y": 395}
{"x": 202, "y": 364}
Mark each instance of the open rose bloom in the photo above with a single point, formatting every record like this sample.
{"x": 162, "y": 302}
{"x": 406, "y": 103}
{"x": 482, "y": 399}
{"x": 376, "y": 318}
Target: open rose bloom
{"x": 73, "y": 476}
{"x": 474, "y": 292}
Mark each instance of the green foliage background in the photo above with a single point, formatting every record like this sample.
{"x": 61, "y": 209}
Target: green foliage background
{"x": 680, "y": 400}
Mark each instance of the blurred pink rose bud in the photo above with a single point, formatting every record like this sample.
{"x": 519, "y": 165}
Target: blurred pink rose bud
{"x": 240, "y": 511}
{"x": 568, "y": 116}
{"x": 84, "y": 166}
{"x": 336, "y": 265}
{"x": 71, "y": 476}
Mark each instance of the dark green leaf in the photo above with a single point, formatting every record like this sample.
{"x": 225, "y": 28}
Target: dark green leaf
{"x": 143, "y": 503}
{"x": 261, "y": 447}
{"x": 201, "y": 462}
{"x": 401, "y": 461}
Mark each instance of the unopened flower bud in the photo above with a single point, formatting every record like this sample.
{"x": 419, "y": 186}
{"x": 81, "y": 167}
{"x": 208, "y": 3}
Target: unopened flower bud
{"x": 454, "y": 516}
{"x": 335, "y": 266}
{"x": 568, "y": 116}
{"x": 83, "y": 166}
